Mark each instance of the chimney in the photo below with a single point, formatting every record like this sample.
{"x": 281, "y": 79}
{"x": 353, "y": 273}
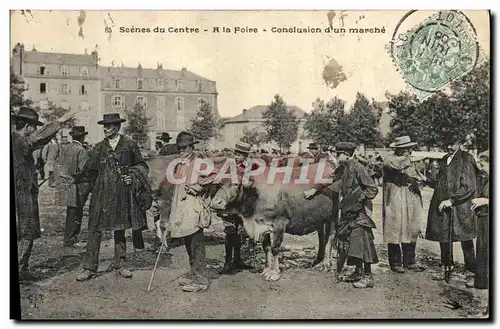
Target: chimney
{"x": 183, "y": 71}
{"x": 244, "y": 111}
{"x": 95, "y": 57}
{"x": 34, "y": 49}
{"x": 85, "y": 51}
{"x": 159, "y": 66}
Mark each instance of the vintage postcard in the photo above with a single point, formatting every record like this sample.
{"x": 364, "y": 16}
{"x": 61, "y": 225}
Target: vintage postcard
{"x": 250, "y": 164}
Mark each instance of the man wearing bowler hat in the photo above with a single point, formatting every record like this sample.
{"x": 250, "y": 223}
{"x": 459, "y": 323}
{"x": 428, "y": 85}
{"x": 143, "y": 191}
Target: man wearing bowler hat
{"x": 108, "y": 170}
{"x": 75, "y": 158}
{"x": 312, "y": 153}
{"x": 357, "y": 190}
{"x": 26, "y": 138}
{"x": 402, "y": 207}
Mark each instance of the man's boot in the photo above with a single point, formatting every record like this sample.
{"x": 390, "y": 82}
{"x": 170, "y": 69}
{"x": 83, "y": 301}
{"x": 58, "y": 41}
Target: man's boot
{"x": 86, "y": 275}
{"x": 228, "y": 268}
{"x": 356, "y": 275}
{"x": 365, "y": 282}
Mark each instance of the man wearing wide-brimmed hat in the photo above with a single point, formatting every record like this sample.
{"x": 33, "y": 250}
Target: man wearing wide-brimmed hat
{"x": 355, "y": 225}
{"x": 75, "y": 158}
{"x": 312, "y": 151}
{"x": 25, "y": 139}
{"x": 402, "y": 207}
{"x": 109, "y": 169}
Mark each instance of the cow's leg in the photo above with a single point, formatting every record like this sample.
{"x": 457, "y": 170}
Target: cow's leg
{"x": 266, "y": 245}
{"x": 276, "y": 241}
{"x": 329, "y": 244}
{"x": 321, "y": 245}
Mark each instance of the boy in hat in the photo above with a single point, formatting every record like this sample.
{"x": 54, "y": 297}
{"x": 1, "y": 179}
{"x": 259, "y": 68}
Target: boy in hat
{"x": 233, "y": 222}
{"x": 109, "y": 169}
{"x": 357, "y": 189}
{"x": 402, "y": 208}
{"x": 74, "y": 161}
{"x": 26, "y": 138}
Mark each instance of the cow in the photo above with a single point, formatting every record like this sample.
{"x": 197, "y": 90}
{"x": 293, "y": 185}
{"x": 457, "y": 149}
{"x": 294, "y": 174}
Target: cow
{"x": 273, "y": 205}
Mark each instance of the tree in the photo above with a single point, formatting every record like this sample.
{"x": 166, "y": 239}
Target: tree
{"x": 205, "y": 125}
{"x": 53, "y": 112}
{"x": 253, "y": 136}
{"x": 327, "y": 124}
{"x": 471, "y": 98}
{"x": 17, "y": 88}
{"x": 281, "y": 123}
{"x": 137, "y": 124}
{"x": 363, "y": 122}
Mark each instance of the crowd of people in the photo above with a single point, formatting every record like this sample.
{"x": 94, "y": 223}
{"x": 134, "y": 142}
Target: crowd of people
{"x": 115, "y": 176}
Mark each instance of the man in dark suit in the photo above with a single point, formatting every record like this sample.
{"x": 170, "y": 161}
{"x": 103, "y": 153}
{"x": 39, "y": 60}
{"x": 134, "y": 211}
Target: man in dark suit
{"x": 450, "y": 218}
{"x": 109, "y": 169}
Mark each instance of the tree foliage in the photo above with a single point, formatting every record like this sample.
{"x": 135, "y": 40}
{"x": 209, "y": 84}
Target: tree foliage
{"x": 17, "y": 88}
{"x": 254, "y": 136}
{"x": 328, "y": 123}
{"x": 363, "y": 122}
{"x": 137, "y": 124}
{"x": 53, "y": 112}
{"x": 281, "y": 123}
{"x": 205, "y": 125}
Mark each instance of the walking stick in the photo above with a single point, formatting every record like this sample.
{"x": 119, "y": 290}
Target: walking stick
{"x": 448, "y": 267}
{"x": 156, "y": 265}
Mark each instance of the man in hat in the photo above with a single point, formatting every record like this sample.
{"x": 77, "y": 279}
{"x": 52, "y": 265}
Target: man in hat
{"x": 450, "y": 217}
{"x": 25, "y": 139}
{"x": 233, "y": 222}
{"x": 74, "y": 160}
{"x": 108, "y": 169}
{"x": 167, "y": 148}
{"x": 312, "y": 153}
{"x": 357, "y": 189}
{"x": 189, "y": 215}
{"x": 402, "y": 207}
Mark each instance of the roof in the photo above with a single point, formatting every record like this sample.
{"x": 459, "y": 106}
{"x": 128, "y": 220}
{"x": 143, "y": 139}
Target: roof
{"x": 133, "y": 72}
{"x": 255, "y": 113}
{"x": 57, "y": 58}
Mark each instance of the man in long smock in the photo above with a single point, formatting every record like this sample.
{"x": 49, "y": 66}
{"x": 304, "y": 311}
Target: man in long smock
{"x": 402, "y": 208}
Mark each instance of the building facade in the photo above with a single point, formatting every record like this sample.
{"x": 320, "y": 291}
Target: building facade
{"x": 171, "y": 98}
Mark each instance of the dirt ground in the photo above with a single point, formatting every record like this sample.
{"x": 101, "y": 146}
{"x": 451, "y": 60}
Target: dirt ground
{"x": 301, "y": 293}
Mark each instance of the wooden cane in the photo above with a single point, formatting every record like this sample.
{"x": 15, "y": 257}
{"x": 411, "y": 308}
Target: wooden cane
{"x": 156, "y": 265}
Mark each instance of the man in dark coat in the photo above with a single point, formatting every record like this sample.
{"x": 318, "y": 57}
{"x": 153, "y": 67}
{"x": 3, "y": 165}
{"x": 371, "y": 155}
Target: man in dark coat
{"x": 450, "y": 218}
{"x": 25, "y": 139}
{"x": 357, "y": 189}
{"x": 109, "y": 170}
{"x": 73, "y": 161}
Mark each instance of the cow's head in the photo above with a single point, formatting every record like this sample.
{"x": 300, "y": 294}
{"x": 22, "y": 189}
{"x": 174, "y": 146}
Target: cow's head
{"x": 234, "y": 197}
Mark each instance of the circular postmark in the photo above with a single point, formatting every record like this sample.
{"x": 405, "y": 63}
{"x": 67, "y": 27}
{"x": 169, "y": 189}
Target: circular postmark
{"x": 435, "y": 52}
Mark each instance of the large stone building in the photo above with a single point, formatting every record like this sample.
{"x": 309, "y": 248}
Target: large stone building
{"x": 77, "y": 81}
{"x": 233, "y": 128}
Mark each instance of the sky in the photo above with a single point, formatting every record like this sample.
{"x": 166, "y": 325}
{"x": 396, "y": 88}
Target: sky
{"x": 249, "y": 68}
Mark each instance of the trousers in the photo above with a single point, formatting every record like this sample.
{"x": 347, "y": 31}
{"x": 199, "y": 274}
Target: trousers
{"x": 74, "y": 216}
{"x": 94, "y": 245}
{"x": 195, "y": 247}
{"x": 406, "y": 258}
{"x": 468, "y": 250}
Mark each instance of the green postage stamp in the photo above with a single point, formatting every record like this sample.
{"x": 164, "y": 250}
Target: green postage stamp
{"x": 437, "y": 51}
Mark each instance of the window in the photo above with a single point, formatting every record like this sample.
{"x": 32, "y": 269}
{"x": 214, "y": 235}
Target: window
{"x": 200, "y": 85}
{"x": 64, "y": 70}
{"x": 43, "y": 88}
{"x": 84, "y": 106}
{"x": 118, "y": 102}
{"x": 178, "y": 84}
{"x": 83, "y": 90}
{"x": 159, "y": 82}
{"x": 160, "y": 119}
{"x": 160, "y": 103}
{"x": 42, "y": 70}
{"x": 118, "y": 83}
{"x": 180, "y": 122}
{"x": 65, "y": 89}
{"x": 139, "y": 83}
{"x": 179, "y": 101}
{"x": 84, "y": 71}
{"x": 143, "y": 101}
